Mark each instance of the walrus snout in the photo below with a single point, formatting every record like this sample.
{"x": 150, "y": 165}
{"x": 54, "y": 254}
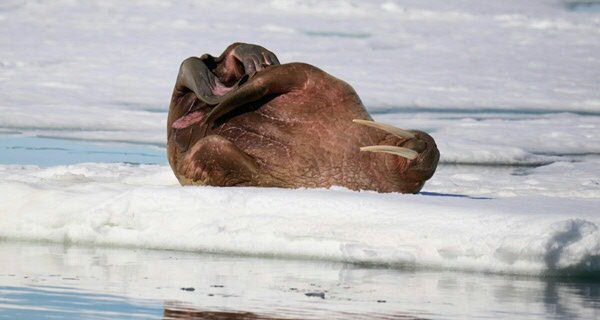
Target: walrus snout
{"x": 417, "y": 153}
{"x": 424, "y": 165}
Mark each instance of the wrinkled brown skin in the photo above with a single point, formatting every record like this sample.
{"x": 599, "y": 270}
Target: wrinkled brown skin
{"x": 243, "y": 119}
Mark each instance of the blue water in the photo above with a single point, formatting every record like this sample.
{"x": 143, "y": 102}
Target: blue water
{"x": 45, "y": 302}
{"x": 584, "y": 6}
{"x": 45, "y": 151}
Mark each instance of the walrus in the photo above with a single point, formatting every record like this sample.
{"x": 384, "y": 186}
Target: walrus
{"x": 244, "y": 119}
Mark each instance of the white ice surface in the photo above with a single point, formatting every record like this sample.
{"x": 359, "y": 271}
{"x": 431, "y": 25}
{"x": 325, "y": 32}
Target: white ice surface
{"x": 496, "y": 83}
{"x": 122, "y": 205}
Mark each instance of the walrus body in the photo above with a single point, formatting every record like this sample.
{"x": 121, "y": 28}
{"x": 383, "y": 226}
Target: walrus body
{"x": 243, "y": 119}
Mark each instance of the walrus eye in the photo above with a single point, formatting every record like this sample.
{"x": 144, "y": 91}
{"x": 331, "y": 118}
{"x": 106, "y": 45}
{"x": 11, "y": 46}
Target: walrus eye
{"x": 399, "y": 151}
{"x": 387, "y": 128}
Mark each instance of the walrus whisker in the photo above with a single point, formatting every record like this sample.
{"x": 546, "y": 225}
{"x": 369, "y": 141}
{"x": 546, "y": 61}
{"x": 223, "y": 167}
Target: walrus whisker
{"x": 399, "y": 151}
{"x": 386, "y": 127}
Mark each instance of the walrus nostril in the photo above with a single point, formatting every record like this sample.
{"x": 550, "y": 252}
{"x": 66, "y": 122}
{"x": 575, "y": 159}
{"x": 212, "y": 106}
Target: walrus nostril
{"x": 415, "y": 144}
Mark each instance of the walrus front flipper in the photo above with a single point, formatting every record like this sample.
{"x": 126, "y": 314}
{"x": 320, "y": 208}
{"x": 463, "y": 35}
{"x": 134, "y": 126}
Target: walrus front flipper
{"x": 215, "y": 161}
{"x": 210, "y": 78}
{"x": 253, "y": 58}
{"x": 274, "y": 80}
{"x": 239, "y": 59}
{"x": 195, "y": 76}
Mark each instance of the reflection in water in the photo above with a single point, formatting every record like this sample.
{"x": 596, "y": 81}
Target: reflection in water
{"x": 561, "y": 299}
{"x": 179, "y": 313}
{"x": 189, "y": 313}
{"x": 69, "y": 282}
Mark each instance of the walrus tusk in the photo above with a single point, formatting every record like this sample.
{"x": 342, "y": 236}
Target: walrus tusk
{"x": 399, "y": 151}
{"x": 386, "y": 127}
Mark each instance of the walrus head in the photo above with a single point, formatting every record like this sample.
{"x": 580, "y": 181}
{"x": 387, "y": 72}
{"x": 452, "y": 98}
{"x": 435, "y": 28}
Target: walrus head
{"x": 416, "y": 155}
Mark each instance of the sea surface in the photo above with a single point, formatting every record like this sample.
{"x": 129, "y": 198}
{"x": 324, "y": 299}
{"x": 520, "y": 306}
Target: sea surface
{"x": 94, "y": 225}
{"x": 54, "y": 281}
